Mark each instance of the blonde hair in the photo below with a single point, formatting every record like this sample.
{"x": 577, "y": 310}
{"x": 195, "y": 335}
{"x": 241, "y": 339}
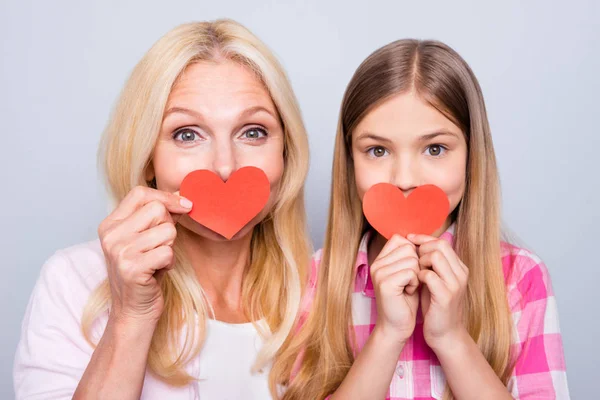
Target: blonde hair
{"x": 443, "y": 79}
{"x": 280, "y": 250}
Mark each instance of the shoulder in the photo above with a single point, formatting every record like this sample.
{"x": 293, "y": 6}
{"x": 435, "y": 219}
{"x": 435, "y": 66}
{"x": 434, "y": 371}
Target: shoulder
{"x": 526, "y": 275}
{"x": 76, "y": 270}
{"x": 52, "y": 352}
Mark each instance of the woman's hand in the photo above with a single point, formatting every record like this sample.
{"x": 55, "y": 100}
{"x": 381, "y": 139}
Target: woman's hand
{"x": 137, "y": 239}
{"x": 445, "y": 282}
{"x": 395, "y": 279}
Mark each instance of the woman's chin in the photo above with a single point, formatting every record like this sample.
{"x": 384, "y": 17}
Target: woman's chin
{"x": 194, "y": 228}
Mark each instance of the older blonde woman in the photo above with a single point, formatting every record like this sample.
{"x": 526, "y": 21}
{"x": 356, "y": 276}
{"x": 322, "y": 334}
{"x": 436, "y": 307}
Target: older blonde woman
{"x": 161, "y": 306}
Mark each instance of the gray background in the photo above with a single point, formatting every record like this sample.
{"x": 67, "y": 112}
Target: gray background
{"x": 63, "y": 64}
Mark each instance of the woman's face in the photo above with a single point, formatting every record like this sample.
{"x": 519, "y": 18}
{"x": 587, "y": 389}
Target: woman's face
{"x": 219, "y": 117}
{"x": 408, "y": 143}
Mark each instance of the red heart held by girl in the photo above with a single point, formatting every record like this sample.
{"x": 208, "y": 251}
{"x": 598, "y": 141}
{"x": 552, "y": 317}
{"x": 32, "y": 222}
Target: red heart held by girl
{"x": 422, "y": 212}
{"x": 225, "y": 207}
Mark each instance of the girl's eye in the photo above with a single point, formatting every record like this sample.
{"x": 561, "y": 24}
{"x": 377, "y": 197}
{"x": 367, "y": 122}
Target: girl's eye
{"x": 377, "y": 151}
{"x": 254, "y": 134}
{"x": 435, "y": 150}
{"x": 186, "y": 135}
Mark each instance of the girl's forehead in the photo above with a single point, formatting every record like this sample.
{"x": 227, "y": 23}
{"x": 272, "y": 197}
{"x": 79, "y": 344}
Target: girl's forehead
{"x": 404, "y": 116}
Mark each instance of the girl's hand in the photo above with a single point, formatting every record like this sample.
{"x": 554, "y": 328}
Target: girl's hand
{"x": 394, "y": 276}
{"x": 445, "y": 282}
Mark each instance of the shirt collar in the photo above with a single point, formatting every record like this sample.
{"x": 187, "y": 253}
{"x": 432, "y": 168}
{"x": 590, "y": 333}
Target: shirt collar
{"x": 362, "y": 282}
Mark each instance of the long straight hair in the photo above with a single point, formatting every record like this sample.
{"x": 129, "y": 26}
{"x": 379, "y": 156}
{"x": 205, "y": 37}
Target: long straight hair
{"x": 443, "y": 79}
{"x": 280, "y": 250}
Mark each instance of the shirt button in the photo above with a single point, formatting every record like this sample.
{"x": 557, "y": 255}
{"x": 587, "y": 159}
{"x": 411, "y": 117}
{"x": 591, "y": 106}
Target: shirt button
{"x": 400, "y": 371}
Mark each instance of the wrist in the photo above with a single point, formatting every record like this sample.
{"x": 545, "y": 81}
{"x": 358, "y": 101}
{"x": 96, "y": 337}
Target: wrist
{"x": 388, "y": 338}
{"x": 127, "y": 330}
{"x": 450, "y": 342}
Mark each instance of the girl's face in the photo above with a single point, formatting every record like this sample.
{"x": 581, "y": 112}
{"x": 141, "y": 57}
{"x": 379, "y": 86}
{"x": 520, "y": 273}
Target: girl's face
{"x": 408, "y": 143}
{"x": 219, "y": 117}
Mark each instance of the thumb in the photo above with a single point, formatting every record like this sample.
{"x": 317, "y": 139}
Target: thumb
{"x": 176, "y": 216}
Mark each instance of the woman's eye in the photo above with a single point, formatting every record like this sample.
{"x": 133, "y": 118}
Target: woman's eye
{"x": 186, "y": 135}
{"x": 435, "y": 150}
{"x": 377, "y": 151}
{"x": 254, "y": 133}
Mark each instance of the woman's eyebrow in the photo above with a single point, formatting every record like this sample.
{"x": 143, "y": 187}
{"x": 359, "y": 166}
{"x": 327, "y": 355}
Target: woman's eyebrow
{"x": 182, "y": 110}
{"x": 255, "y": 110}
{"x": 244, "y": 114}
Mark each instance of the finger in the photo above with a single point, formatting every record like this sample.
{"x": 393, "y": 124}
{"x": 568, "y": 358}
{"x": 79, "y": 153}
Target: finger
{"x": 420, "y": 239}
{"x": 150, "y": 215}
{"x": 394, "y": 242}
{"x": 463, "y": 267}
{"x": 397, "y": 254}
{"x": 446, "y": 249}
{"x": 156, "y": 259}
{"x": 406, "y": 263}
{"x": 437, "y": 288}
{"x": 140, "y": 196}
{"x": 430, "y": 244}
{"x": 437, "y": 260}
{"x": 405, "y": 280}
{"x": 163, "y": 234}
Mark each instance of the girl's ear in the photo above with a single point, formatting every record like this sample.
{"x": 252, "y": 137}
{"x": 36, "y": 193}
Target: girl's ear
{"x": 349, "y": 149}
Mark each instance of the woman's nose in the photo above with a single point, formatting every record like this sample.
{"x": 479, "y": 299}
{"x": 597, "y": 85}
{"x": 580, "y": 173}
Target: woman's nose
{"x": 224, "y": 160}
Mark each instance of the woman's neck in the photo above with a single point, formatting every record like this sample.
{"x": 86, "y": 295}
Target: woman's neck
{"x": 220, "y": 268}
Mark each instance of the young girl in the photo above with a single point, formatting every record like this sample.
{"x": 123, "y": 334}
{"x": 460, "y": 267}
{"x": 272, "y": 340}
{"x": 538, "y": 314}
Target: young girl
{"x": 456, "y": 314}
{"x": 161, "y": 307}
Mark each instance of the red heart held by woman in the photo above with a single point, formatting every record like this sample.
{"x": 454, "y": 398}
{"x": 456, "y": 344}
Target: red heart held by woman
{"x": 225, "y": 207}
{"x": 422, "y": 212}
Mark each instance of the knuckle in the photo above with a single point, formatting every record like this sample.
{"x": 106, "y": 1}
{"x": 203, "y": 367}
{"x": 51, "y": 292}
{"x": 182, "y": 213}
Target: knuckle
{"x": 102, "y": 228}
{"x": 138, "y": 192}
{"x": 397, "y": 240}
{"x": 109, "y": 241}
{"x": 171, "y": 231}
{"x": 375, "y": 276}
{"x": 374, "y": 267}
{"x": 156, "y": 208}
{"x": 406, "y": 248}
{"x": 168, "y": 254}
{"x": 409, "y": 245}
{"x": 436, "y": 256}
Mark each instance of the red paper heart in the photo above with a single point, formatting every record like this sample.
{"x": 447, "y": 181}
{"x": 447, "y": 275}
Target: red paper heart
{"x": 225, "y": 207}
{"x": 422, "y": 212}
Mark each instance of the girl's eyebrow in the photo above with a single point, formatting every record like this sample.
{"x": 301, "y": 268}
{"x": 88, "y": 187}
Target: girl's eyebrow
{"x": 369, "y": 135}
{"x": 443, "y": 132}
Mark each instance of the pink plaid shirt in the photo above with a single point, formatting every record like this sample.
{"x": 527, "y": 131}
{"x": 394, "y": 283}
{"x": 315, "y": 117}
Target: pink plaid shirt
{"x": 540, "y": 367}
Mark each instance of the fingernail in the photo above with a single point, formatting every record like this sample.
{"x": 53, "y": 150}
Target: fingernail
{"x": 185, "y": 203}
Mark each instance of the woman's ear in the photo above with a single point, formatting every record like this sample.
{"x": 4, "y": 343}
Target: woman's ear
{"x": 149, "y": 176}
